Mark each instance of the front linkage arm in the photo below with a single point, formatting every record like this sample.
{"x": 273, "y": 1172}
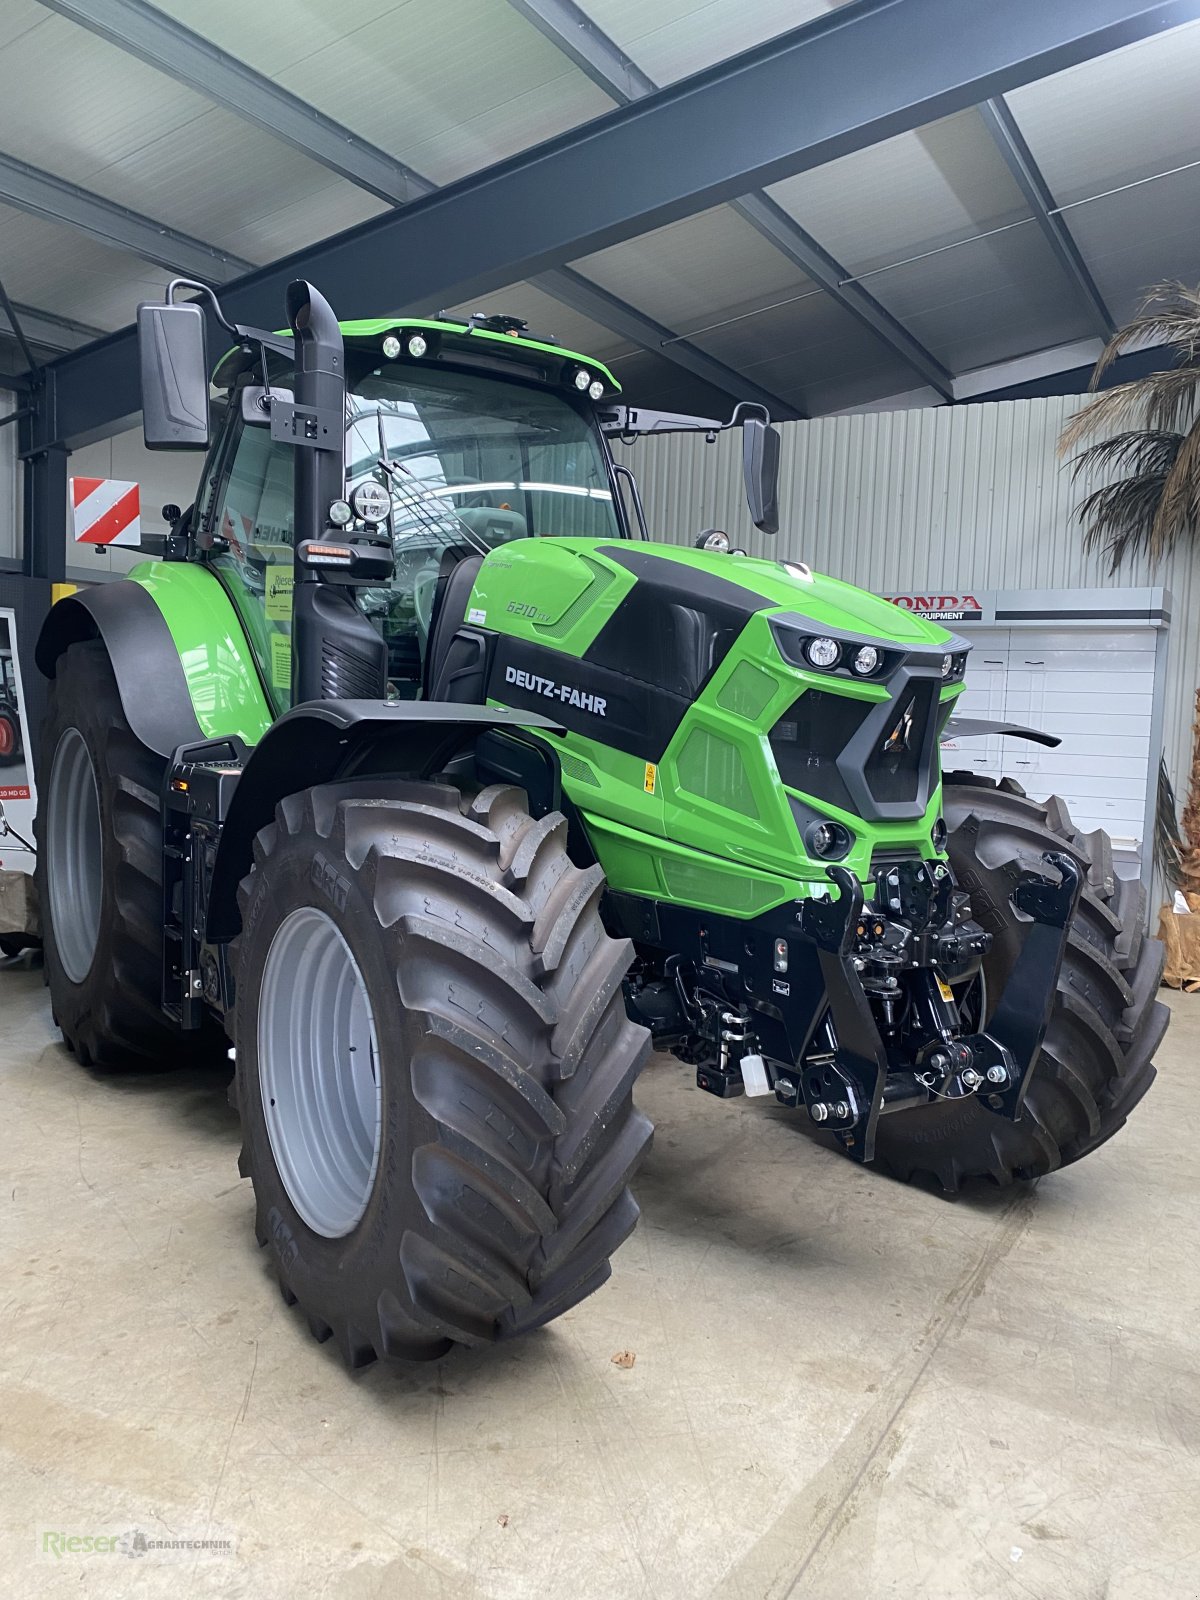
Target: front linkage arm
{"x": 1018, "y": 1024}
{"x": 1013, "y": 1036}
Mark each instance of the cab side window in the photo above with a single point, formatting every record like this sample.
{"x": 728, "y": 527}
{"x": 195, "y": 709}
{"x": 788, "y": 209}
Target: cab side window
{"x": 252, "y": 531}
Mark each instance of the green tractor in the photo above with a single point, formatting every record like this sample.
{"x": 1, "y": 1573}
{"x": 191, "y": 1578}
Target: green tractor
{"x": 418, "y": 770}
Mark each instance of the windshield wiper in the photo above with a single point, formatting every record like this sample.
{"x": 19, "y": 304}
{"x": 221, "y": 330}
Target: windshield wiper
{"x": 412, "y": 498}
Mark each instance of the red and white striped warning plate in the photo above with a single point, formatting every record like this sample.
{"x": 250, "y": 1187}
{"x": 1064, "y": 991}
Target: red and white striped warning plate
{"x": 107, "y": 511}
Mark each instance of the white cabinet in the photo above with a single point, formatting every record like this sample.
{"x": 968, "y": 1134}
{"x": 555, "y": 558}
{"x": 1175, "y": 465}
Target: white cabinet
{"x": 1094, "y": 685}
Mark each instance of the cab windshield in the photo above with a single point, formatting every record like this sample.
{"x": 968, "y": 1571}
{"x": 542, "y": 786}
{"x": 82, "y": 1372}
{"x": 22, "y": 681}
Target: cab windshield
{"x": 478, "y": 456}
{"x": 476, "y": 461}
{"x": 473, "y": 461}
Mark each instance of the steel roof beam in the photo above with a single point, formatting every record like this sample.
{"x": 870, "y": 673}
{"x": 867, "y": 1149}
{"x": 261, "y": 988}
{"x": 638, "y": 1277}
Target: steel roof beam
{"x": 48, "y": 330}
{"x": 157, "y": 39}
{"x": 42, "y": 194}
{"x": 1019, "y": 159}
{"x": 161, "y": 42}
{"x": 569, "y": 27}
{"x": 590, "y": 300}
{"x": 836, "y": 85}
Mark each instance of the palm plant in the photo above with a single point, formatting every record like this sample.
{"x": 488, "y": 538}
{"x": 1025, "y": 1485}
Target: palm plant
{"x": 1151, "y": 436}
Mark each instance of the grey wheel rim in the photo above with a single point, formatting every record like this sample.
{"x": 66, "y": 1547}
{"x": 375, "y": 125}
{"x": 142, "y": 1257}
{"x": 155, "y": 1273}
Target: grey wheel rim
{"x": 318, "y": 1066}
{"x": 74, "y": 873}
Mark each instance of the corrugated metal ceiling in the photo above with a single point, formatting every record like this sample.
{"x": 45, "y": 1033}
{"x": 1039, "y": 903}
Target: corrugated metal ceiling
{"x": 451, "y": 86}
{"x": 447, "y": 86}
{"x": 671, "y": 38}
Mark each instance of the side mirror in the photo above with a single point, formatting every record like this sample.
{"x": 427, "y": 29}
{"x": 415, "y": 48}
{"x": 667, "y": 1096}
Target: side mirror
{"x": 173, "y": 355}
{"x": 760, "y": 468}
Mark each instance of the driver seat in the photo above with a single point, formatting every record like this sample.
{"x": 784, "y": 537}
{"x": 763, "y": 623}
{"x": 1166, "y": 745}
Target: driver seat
{"x": 454, "y": 661}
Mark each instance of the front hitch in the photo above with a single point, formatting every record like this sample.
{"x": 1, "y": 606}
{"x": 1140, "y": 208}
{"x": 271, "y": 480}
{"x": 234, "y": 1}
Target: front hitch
{"x": 849, "y": 1103}
{"x": 845, "y": 1093}
{"x": 1018, "y": 1024}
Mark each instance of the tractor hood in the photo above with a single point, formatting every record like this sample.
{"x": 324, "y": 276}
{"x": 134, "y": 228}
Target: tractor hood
{"x": 823, "y": 601}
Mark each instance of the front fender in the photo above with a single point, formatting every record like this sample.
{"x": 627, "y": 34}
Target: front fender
{"x": 326, "y": 740}
{"x": 980, "y": 728}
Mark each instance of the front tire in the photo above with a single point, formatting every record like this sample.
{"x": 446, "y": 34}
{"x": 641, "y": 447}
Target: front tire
{"x": 1096, "y": 1062}
{"x": 449, "y": 1162}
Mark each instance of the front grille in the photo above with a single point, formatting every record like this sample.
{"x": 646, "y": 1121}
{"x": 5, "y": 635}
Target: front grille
{"x": 808, "y": 739}
{"x": 891, "y": 855}
{"x": 876, "y": 760}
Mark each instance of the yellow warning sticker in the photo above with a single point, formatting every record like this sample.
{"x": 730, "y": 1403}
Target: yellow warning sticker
{"x": 651, "y": 777}
{"x": 279, "y": 581}
{"x": 944, "y": 989}
{"x": 281, "y": 661}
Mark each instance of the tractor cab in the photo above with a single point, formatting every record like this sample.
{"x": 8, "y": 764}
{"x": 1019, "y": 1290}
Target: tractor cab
{"x": 459, "y": 437}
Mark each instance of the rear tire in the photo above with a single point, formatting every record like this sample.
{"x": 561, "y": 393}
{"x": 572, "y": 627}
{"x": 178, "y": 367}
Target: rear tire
{"x": 101, "y": 901}
{"x": 1097, "y": 1059}
{"x": 476, "y": 1188}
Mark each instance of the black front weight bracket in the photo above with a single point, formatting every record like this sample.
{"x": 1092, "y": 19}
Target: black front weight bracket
{"x": 1014, "y": 1033}
{"x": 861, "y": 1057}
{"x": 1018, "y": 1025}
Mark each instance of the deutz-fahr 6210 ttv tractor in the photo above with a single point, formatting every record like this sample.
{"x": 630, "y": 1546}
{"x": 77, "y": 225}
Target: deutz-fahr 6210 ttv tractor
{"x": 419, "y": 772}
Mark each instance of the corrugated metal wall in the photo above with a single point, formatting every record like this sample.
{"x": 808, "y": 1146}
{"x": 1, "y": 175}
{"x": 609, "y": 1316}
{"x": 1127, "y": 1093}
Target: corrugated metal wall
{"x": 933, "y": 501}
{"x": 10, "y": 483}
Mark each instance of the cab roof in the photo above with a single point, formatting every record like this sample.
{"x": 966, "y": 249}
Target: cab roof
{"x": 483, "y": 341}
{"x": 497, "y": 334}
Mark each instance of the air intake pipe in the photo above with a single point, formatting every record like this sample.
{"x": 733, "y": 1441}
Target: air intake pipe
{"x": 336, "y": 653}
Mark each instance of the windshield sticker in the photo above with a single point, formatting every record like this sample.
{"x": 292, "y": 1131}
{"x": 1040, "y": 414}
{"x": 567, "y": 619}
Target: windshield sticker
{"x": 477, "y": 616}
{"x": 281, "y": 661}
{"x": 279, "y": 583}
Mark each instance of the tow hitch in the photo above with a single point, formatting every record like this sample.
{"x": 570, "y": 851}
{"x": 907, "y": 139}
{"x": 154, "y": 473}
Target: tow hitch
{"x": 847, "y": 1090}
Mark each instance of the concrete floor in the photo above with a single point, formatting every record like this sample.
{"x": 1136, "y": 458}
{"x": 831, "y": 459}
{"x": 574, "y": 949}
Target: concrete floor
{"x": 842, "y": 1388}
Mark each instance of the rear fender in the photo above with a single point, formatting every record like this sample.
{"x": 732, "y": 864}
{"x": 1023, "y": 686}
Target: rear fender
{"x": 323, "y": 741}
{"x": 184, "y": 670}
{"x": 150, "y": 677}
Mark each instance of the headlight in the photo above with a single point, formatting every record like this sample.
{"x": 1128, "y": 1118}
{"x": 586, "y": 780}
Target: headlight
{"x": 391, "y": 346}
{"x": 371, "y": 502}
{"x": 582, "y": 379}
{"x": 417, "y": 345}
{"x": 828, "y": 840}
{"x": 823, "y": 653}
{"x": 947, "y": 666}
{"x": 596, "y": 389}
{"x": 866, "y": 660}
{"x": 939, "y": 834}
{"x": 714, "y": 539}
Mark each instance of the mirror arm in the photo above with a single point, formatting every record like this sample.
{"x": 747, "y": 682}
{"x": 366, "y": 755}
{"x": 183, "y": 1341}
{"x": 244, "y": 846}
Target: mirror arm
{"x": 750, "y": 407}
{"x": 203, "y": 290}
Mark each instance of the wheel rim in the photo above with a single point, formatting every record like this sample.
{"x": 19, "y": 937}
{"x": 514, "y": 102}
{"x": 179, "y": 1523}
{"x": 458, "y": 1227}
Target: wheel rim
{"x": 8, "y": 737}
{"x": 75, "y": 853}
{"x": 318, "y": 1066}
